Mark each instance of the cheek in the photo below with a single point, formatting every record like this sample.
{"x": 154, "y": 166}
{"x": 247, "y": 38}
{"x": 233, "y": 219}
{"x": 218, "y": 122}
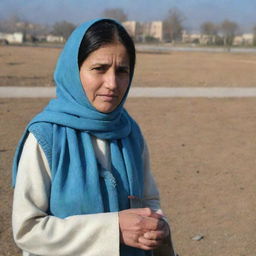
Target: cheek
{"x": 90, "y": 85}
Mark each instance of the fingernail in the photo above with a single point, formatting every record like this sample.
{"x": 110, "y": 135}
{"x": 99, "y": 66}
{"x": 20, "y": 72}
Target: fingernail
{"x": 147, "y": 235}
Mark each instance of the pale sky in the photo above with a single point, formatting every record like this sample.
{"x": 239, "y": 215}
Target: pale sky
{"x": 76, "y": 11}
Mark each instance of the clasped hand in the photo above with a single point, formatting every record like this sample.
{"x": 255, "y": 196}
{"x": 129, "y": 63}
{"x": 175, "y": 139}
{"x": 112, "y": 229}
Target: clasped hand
{"x": 142, "y": 228}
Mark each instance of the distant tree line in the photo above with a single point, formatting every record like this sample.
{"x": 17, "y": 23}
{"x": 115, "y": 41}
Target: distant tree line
{"x": 228, "y": 30}
{"x": 33, "y": 31}
{"x": 221, "y": 34}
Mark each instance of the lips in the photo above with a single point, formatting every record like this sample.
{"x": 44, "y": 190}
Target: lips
{"x": 107, "y": 97}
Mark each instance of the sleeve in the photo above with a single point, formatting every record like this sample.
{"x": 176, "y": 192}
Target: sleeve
{"x": 152, "y": 200}
{"x": 38, "y": 233}
{"x": 151, "y": 197}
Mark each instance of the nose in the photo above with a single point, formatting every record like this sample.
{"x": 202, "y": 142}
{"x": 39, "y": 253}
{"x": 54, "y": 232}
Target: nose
{"x": 111, "y": 80}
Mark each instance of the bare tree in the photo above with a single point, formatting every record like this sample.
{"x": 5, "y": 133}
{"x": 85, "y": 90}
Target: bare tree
{"x": 63, "y": 28}
{"x": 10, "y": 25}
{"x": 229, "y": 30}
{"x": 2, "y": 25}
{"x": 115, "y": 13}
{"x": 254, "y": 35}
{"x": 173, "y": 25}
{"x": 39, "y": 29}
{"x": 17, "y": 24}
{"x": 210, "y": 30}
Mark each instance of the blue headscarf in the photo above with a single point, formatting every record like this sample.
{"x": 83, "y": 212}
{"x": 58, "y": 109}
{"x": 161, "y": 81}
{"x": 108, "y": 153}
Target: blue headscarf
{"x": 63, "y": 130}
{"x": 80, "y": 185}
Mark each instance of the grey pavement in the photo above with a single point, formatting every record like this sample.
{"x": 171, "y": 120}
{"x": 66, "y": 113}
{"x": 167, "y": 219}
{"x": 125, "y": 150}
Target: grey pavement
{"x": 159, "y": 92}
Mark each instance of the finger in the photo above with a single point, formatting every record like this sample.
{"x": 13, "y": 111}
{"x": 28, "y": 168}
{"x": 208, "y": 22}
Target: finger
{"x": 150, "y": 243}
{"x": 153, "y": 224}
{"x": 155, "y": 235}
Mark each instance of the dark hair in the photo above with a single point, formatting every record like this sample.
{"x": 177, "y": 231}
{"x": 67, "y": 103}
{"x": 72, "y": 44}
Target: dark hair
{"x": 106, "y": 32}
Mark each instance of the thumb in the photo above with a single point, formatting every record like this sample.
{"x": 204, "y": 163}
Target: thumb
{"x": 146, "y": 212}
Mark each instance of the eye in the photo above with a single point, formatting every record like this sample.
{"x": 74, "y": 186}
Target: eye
{"x": 123, "y": 70}
{"x": 99, "y": 68}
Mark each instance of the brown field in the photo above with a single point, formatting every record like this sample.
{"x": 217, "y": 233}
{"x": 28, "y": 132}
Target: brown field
{"x": 202, "y": 150}
{"x": 33, "y": 66}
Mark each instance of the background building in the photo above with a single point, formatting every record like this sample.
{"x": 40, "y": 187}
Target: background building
{"x": 12, "y": 38}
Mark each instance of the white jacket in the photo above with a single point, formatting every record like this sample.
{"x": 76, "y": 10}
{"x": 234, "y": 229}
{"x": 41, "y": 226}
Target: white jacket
{"x": 38, "y": 233}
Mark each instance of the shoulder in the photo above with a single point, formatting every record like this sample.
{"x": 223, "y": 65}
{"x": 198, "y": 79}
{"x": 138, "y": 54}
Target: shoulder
{"x": 43, "y": 133}
{"x": 136, "y": 134}
{"x": 40, "y": 127}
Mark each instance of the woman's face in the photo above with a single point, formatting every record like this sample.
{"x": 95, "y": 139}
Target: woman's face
{"x": 105, "y": 75}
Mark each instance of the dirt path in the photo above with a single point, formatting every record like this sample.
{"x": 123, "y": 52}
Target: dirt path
{"x": 138, "y": 92}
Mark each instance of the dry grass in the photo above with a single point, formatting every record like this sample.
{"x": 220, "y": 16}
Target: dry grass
{"x": 193, "y": 69}
{"x": 33, "y": 66}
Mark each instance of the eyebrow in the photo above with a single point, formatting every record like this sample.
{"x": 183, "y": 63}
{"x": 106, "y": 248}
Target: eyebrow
{"x": 107, "y": 65}
{"x": 100, "y": 64}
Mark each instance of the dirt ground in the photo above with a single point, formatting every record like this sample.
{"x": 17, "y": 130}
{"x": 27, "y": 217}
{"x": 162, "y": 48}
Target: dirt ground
{"x": 33, "y": 66}
{"x": 203, "y": 158}
{"x": 202, "y": 150}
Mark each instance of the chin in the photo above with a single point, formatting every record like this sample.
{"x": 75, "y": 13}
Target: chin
{"x": 106, "y": 109}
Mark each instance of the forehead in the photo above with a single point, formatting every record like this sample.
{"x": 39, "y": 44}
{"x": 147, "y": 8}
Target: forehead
{"x": 109, "y": 52}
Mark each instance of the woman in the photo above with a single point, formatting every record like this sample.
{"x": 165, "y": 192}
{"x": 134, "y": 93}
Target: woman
{"x": 81, "y": 174}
